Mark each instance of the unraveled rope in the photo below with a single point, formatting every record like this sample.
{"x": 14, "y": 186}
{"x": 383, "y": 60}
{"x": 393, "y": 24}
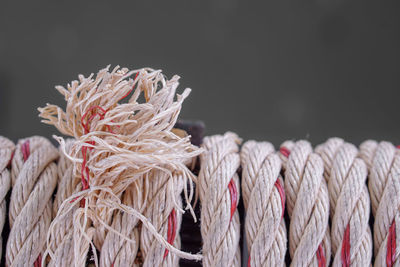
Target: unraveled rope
{"x": 264, "y": 201}
{"x": 307, "y": 204}
{"x": 346, "y": 175}
{"x": 61, "y": 247}
{"x": 6, "y": 153}
{"x": 166, "y": 218}
{"x": 116, "y": 144}
{"x": 383, "y": 161}
{"x": 34, "y": 178}
{"x": 218, "y": 186}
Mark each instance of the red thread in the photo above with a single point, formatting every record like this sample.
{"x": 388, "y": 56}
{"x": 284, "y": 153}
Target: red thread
{"x": 130, "y": 91}
{"x": 38, "y": 262}
{"x": 25, "y": 150}
{"x": 248, "y": 262}
{"x": 171, "y": 232}
{"x": 282, "y": 195}
{"x": 11, "y": 158}
{"x": 284, "y": 151}
{"x": 345, "y": 255}
{"x": 398, "y": 146}
{"x": 321, "y": 256}
{"x": 391, "y": 245}
{"x": 234, "y": 197}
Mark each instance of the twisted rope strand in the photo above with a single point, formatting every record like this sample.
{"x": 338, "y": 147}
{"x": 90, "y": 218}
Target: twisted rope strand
{"x": 6, "y": 152}
{"x": 346, "y": 175}
{"x": 116, "y": 251}
{"x": 383, "y": 162}
{"x": 264, "y": 202}
{"x": 165, "y": 216}
{"x": 34, "y": 178}
{"x": 218, "y": 185}
{"x": 307, "y": 203}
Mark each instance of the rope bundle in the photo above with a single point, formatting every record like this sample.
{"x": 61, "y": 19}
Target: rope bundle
{"x": 113, "y": 194}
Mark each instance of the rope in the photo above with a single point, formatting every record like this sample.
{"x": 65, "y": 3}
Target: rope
{"x": 165, "y": 216}
{"x": 264, "y": 201}
{"x": 346, "y": 175}
{"x": 34, "y": 178}
{"x": 61, "y": 242}
{"x": 6, "y": 154}
{"x": 219, "y": 190}
{"x": 383, "y": 162}
{"x": 307, "y": 204}
{"x": 116, "y": 251}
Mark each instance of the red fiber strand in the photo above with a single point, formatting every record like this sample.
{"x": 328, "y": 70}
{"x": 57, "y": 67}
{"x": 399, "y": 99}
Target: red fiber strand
{"x": 248, "y": 262}
{"x": 38, "y": 261}
{"x": 282, "y": 195}
{"x": 25, "y": 150}
{"x": 284, "y": 151}
{"x": 391, "y": 245}
{"x": 345, "y": 254}
{"x": 321, "y": 256}
{"x": 130, "y": 91}
{"x": 234, "y": 197}
{"x": 11, "y": 158}
{"x": 171, "y": 232}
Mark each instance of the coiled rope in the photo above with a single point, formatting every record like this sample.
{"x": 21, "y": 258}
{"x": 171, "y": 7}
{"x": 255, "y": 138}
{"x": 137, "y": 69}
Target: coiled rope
{"x": 6, "y": 153}
{"x": 383, "y": 160}
{"x": 346, "y": 175}
{"x": 307, "y": 204}
{"x": 219, "y": 189}
{"x": 264, "y": 201}
{"x": 34, "y": 178}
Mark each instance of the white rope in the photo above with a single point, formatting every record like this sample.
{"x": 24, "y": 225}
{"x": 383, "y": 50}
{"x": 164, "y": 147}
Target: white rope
{"x": 6, "y": 151}
{"x": 383, "y": 162}
{"x": 220, "y": 230}
{"x": 264, "y": 201}
{"x": 346, "y": 175}
{"x": 307, "y": 204}
{"x": 34, "y": 178}
{"x": 165, "y": 216}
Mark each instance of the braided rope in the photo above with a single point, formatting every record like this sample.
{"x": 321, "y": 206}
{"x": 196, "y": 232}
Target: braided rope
{"x": 383, "y": 161}
{"x": 307, "y": 203}
{"x": 264, "y": 201}
{"x": 218, "y": 185}
{"x": 6, "y": 152}
{"x": 34, "y": 178}
{"x": 346, "y": 175}
{"x": 165, "y": 215}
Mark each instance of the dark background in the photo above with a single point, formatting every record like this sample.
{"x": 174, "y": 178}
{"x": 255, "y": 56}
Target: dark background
{"x": 268, "y": 70}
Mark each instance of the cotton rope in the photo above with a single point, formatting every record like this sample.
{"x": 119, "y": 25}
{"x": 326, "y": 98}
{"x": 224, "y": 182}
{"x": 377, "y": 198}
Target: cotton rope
{"x": 116, "y": 251}
{"x": 165, "y": 216}
{"x": 346, "y": 175}
{"x": 6, "y": 152}
{"x": 218, "y": 186}
{"x": 264, "y": 201}
{"x": 307, "y": 204}
{"x": 61, "y": 247}
{"x": 383, "y": 160}
{"x": 34, "y": 178}
{"x": 117, "y": 144}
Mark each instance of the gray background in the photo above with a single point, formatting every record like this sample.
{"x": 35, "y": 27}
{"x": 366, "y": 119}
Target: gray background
{"x": 268, "y": 70}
